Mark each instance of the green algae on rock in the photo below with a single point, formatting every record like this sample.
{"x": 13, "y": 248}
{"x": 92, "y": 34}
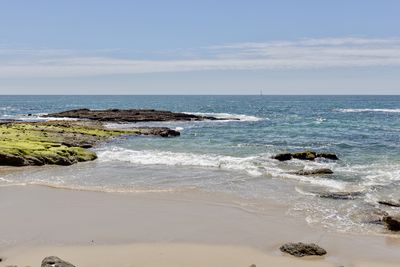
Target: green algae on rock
{"x": 55, "y": 142}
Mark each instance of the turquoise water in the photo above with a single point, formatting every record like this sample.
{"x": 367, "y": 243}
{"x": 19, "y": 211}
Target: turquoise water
{"x": 234, "y": 157}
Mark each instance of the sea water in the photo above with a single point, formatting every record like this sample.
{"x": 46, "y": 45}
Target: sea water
{"x": 233, "y": 157}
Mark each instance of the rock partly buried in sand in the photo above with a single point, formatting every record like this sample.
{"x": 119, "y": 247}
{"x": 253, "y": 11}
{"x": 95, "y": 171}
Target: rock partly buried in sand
{"x": 339, "y": 195}
{"x": 392, "y": 223}
{"x": 53, "y": 261}
{"x": 314, "y": 172}
{"x": 305, "y": 155}
{"x": 390, "y": 203}
{"x": 130, "y": 115}
{"x": 301, "y": 249}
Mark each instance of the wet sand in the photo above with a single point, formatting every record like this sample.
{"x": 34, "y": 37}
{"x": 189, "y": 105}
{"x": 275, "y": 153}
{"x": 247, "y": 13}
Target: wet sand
{"x": 166, "y": 229}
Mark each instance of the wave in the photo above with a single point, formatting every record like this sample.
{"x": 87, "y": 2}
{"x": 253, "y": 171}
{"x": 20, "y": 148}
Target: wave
{"x": 256, "y": 166}
{"x": 37, "y": 118}
{"x": 387, "y": 110}
{"x": 228, "y": 116}
{"x": 155, "y": 157}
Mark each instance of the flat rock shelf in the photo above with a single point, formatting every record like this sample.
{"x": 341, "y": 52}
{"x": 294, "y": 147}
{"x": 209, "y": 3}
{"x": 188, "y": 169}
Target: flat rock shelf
{"x": 130, "y": 115}
{"x": 59, "y": 142}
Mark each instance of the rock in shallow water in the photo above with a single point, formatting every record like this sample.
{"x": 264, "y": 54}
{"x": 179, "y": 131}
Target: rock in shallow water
{"x": 340, "y": 195}
{"x": 325, "y": 155}
{"x": 54, "y": 261}
{"x": 305, "y": 155}
{"x": 314, "y": 172}
{"x": 301, "y": 249}
{"x": 283, "y": 156}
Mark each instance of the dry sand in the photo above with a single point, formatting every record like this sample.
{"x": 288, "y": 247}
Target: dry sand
{"x": 107, "y": 229}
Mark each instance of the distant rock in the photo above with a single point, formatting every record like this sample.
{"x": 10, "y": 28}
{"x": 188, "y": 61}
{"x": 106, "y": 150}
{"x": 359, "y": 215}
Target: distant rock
{"x": 390, "y": 203}
{"x": 339, "y": 195}
{"x": 305, "y": 155}
{"x": 53, "y": 261}
{"x": 301, "y": 249}
{"x": 314, "y": 172}
{"x": 130, "y": 115}
{"x": 392, "y": 223}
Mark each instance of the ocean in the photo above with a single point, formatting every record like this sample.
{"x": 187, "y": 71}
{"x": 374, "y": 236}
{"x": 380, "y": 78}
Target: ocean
{"x": 233, "y": 157}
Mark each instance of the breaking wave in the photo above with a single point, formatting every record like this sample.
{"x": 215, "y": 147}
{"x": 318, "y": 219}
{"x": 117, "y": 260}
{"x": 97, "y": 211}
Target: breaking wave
{"x": 228, "y": 116}
{"x": 384, "y": 110}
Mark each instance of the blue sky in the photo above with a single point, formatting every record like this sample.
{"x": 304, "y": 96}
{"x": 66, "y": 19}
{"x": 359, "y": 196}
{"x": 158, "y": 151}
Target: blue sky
{"x": 200, "y": 47}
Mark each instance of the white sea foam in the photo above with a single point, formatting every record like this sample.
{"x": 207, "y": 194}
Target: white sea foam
{"x": 385, "y": 110}
{"x": 39, "y": 117}
{"x": 228, "y": 116}
{"x": 156, "y": 157}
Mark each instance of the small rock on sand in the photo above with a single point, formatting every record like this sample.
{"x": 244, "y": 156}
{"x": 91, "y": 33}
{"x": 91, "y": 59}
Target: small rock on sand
{"x": 301, "y": 249}
{"x": 54, "y": 261}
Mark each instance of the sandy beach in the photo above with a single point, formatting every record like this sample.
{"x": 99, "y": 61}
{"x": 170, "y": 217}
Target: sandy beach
{"x": 162, "y": 229}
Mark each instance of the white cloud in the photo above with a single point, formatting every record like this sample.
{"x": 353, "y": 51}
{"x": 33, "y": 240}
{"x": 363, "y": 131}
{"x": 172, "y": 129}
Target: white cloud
{"x": 280, "y": 55}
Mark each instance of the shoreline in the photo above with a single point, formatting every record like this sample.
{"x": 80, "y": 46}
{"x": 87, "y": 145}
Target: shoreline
{"x": 42, "y": 219}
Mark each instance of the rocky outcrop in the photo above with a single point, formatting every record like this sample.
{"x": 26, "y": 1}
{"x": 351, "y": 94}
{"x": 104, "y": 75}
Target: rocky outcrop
{"x": 321, "y": 171}
{"x": 305, "y": 155}
{"x": 54, "y": 261}
{"x": 392, "y": 222}
{"x": 129, "y": 115}
{"x": 301, "y": 249}
{"x": 59, "y": 143}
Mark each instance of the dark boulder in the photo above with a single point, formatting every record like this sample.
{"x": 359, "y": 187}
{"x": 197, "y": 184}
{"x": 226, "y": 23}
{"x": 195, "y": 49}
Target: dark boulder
{"x": 331, "y": 156}
{"x": 53, "y": 261}
{"x": 301, "y": 249}
{"x": 314, "y": 172}
{"x": 283, "y": 156}
{"x": 392, "y": 223}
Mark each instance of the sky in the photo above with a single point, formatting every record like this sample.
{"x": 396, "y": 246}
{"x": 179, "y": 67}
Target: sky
{"x": 200, "y": 47}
